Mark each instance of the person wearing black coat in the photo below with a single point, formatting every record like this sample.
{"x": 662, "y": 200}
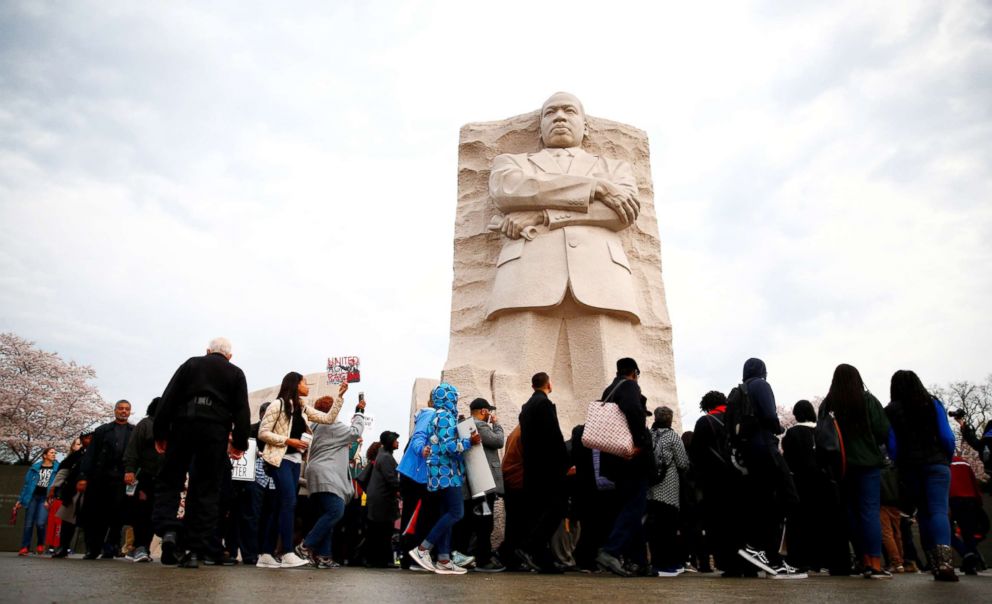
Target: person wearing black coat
{"x": 630, "y": 476}
{"x": 205, "y": 402}
{"x": 141, "y": 465}
{"x": 768, "y": 487}
{"x": 816, "y": 533}
{"x": 720, "y": 482}
{"x": 382, "y": 504}
{"x": 101, "y": 477}
{"x": 545, "y": 463}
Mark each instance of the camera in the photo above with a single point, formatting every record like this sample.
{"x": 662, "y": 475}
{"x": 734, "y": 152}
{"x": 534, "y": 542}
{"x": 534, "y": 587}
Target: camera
{"x": 956, "y": 414}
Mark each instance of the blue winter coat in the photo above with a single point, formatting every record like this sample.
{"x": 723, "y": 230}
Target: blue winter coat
{"x": 31, "y": 481}
{"x": 413, "y": 465}
{"x": 445, "y": 466}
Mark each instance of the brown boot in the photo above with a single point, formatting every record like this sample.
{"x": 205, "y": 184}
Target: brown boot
{"x": 943, "y": 564}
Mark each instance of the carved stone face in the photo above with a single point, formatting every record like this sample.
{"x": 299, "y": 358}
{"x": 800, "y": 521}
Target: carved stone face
{"x": 563, "y": 122}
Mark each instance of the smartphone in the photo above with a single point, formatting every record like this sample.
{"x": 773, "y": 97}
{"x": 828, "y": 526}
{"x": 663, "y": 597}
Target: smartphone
{"x": 361, "y": 397}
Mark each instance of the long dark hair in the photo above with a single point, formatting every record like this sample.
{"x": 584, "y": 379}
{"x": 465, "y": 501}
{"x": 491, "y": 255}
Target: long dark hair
{"x": 289, "y": 392}
{"x": 846, "y": 398}
{"x": 907, "y": 388}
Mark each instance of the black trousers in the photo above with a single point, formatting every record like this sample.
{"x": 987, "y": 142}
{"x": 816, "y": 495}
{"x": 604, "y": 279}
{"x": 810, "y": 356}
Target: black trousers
{"x": 103, "y": 516}
{"x": 379, "y": 544}
{"x": 142, "y": 504}
{"x": 547, "y": 509}
{"x": 199, "y": 449}
{"x": 662, "y": 529}
{"x": 473, "y": 533}
{"x": 412, "y": 492}
{"x": 515, "y": 525}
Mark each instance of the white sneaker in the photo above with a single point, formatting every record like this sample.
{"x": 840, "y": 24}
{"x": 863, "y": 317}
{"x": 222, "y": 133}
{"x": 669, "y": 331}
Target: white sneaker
{"x": 291, "y": 560}
{"x": 460, "y": 559}
{"x": 449, "y": 568}
{"x": 422, "y": 558}
{"x": 267, "y": 561}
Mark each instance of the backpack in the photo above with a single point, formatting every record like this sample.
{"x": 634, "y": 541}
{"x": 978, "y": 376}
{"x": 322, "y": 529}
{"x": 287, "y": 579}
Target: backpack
{"x": 660, "y": 470}
{"x": 742, "y": 424}
{"x": 721, "y": 450}
{"x": 829, "y": 445}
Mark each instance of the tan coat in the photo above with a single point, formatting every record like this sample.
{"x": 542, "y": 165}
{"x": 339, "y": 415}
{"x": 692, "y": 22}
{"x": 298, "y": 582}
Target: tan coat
{"x": 275, "y": 425}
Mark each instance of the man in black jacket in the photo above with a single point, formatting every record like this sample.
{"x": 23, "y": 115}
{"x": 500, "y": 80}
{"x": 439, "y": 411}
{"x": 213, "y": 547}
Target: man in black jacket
{"x": 101, "y": 477}
{"x": 630, "y": 475}
{"x": 141, "y": 466}
{"x": 545, "y": 462}
{"x": 206, "y": 398}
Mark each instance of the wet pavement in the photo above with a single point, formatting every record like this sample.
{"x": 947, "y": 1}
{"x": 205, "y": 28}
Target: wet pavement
{"x": 34, "y": 579}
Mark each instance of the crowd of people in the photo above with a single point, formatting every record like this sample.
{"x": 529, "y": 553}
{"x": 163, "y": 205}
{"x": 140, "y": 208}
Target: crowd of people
{"x": 837, "y": 493}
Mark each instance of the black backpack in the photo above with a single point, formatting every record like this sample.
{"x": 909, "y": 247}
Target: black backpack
{"x": 742, "y": 424}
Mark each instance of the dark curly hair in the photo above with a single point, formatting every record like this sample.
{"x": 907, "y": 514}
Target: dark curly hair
{"x": 711, "y": 400}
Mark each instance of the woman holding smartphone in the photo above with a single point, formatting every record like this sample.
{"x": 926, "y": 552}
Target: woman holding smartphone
{"x": 286, "y": 435}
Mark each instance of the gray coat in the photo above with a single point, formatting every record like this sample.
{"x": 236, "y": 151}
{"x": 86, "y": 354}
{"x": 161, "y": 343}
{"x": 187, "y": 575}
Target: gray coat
{"x": 492, "y": 442}
{"x": 327, "y": 469}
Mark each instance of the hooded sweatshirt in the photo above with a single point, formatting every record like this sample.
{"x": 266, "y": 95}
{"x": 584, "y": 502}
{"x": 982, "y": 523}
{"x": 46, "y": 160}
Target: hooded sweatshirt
{"x": 413, "y": 465}
{"x": 763, "y": 400}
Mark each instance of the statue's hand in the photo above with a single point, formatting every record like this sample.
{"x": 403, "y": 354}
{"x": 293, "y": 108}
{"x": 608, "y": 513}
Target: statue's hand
{"x": 621, "y": 201}
{"x": 514, "y": 224}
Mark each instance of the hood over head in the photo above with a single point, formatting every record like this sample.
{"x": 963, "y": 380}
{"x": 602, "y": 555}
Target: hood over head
{"x": 754, "y": 368}
{"x": 445, "y": 397}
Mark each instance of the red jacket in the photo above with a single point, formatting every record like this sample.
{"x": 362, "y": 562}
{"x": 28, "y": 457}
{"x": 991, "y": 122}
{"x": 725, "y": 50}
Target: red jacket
{"x": 963, "y": 480}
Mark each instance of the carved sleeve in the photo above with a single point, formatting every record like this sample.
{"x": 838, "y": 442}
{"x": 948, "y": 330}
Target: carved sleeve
{"x": 517, "y": 186}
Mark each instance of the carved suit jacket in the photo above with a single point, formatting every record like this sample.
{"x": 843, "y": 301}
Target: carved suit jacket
{"x": 577, "y": 249}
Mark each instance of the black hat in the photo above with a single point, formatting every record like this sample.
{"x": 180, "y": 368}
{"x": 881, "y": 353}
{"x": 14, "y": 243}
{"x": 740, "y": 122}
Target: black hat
{"x": 480, "y": 403}
{"x": 626, "y": 365}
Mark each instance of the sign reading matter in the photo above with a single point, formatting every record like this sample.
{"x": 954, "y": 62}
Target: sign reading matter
{"x": 244, "y": 468}
{"x": 343, "y": 369}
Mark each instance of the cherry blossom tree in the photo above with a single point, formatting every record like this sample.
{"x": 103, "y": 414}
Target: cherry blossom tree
{"x": 44, "y": 400}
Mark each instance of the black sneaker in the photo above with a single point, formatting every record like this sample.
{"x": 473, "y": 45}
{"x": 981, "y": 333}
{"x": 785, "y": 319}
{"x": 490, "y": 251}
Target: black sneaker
{"x": 169, "y": 549}
{"x": 606, "y": 561}
{"x": 526, "y": 561}
{"x": 190, "y": 560}
{"x": 784, "y": 571}
{"x": 756, "y": 557}
{"x": 490, "y": 567}
{"x": 871, "y": 573}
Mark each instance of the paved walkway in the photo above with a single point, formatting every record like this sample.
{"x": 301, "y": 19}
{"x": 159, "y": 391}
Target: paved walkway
{"x": 75, "y": 580}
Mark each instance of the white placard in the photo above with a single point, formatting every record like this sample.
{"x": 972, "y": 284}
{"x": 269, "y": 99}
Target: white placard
{"x": 244, "y": 468}
{"x": 480, "y": 476}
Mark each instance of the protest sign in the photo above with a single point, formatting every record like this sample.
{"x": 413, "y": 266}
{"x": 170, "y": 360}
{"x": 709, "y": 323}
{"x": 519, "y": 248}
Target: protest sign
{"x": 343, "y": 369}
{"x": 244, "y": 469}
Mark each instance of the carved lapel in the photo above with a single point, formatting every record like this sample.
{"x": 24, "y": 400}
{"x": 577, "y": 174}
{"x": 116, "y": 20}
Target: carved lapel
{"x": 582, "y": 163}
{"x": 546, "y": 162}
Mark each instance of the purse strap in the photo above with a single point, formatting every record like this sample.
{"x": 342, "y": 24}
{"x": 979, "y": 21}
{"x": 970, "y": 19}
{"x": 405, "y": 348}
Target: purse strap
{"x": 612, "y": 392}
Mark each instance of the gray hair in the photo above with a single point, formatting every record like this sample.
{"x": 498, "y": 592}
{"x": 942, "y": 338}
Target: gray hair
{"x": 663, "y": 416}
{"x": 221, "y": 345}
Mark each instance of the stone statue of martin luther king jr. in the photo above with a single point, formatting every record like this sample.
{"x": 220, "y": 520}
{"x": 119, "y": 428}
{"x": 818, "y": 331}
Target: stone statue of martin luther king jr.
{"x": 562, "y": 209}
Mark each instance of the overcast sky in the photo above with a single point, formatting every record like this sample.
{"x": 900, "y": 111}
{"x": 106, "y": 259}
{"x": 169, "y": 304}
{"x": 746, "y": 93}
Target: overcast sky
{"x": 285, "y": 174}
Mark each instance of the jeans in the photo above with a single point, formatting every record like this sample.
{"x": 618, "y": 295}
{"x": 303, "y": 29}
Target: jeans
{"x": 249, "y": 495}
{"x": 929, "y": 487}
{"x": 863, "y": 489}
{"x": 36, "y": 516}
{"x": 627, "y": 536}
{"x": 332, "y": 510}
{"x": 452, "y": 511}
{"x": 287, "y": 479}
